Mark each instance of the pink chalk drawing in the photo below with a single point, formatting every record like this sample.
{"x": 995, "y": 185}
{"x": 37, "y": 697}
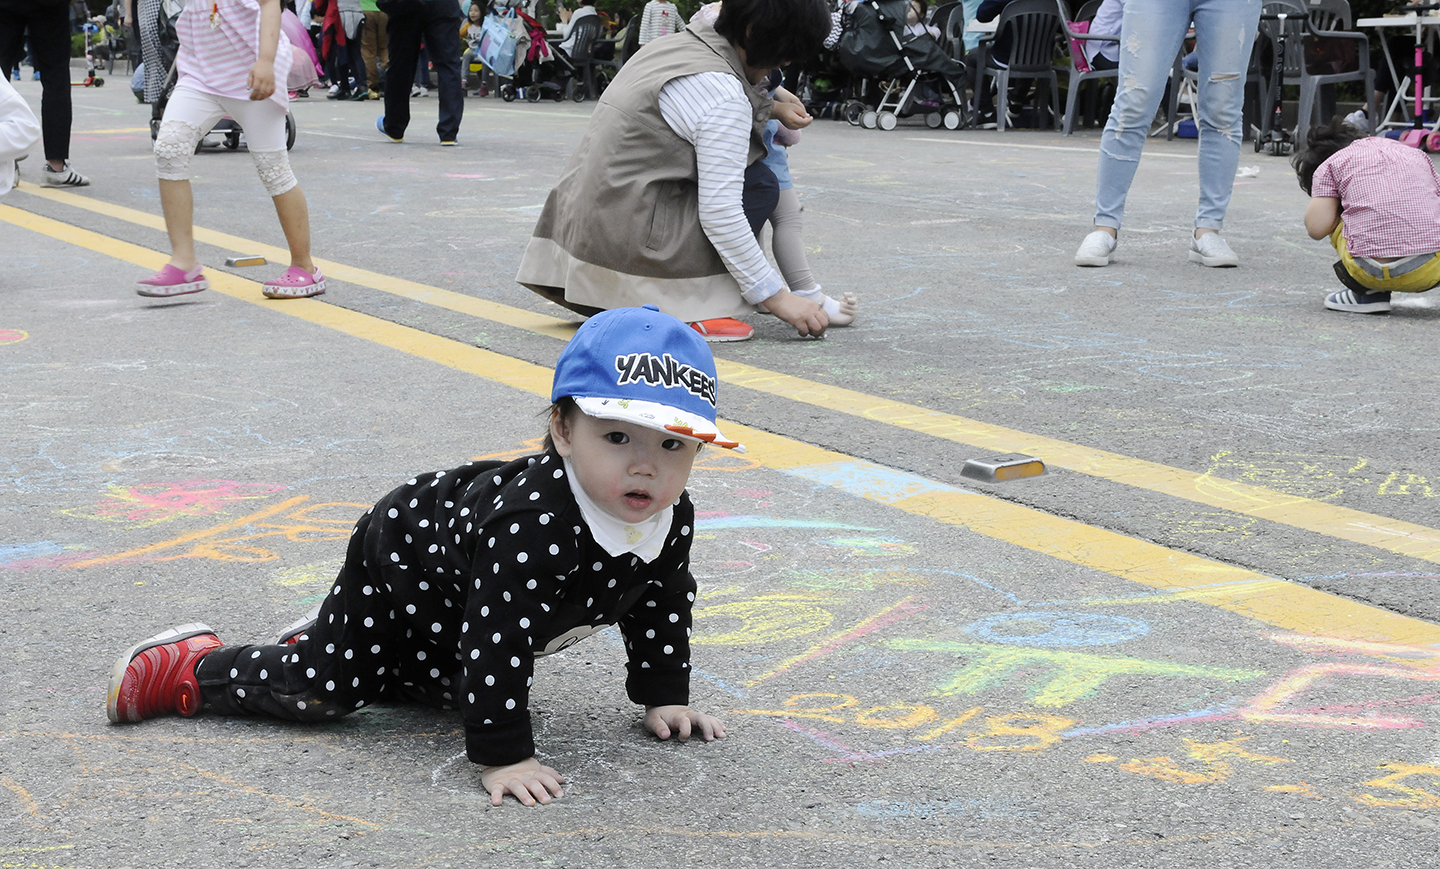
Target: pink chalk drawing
{"x": 1278, "y": 703}
{"x": 153, "y": 503}
{"x": 12, "y": 336}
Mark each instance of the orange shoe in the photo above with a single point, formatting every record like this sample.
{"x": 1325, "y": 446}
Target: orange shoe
{"x": 723, "y": 329}
{"x": 157, "y": 676}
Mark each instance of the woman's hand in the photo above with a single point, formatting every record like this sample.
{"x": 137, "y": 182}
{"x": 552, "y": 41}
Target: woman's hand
{"x": 790, "y": 111}
{"x": 808, "y": 318}
{"x": 682, "y": 721}
{"x": 528, "y": 781}
{"x": 261, "y": 81}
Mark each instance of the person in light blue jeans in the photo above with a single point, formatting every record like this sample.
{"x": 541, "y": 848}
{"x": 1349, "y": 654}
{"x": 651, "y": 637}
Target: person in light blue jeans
{"x": 1151, "y": 33}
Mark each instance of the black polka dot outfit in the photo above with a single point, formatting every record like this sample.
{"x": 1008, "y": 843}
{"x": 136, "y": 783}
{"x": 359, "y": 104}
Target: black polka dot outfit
{"x": 452, "y": 585}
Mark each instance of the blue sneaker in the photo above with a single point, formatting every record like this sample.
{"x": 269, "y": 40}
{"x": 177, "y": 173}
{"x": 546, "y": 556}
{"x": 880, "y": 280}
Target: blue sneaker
{"x": 1358, "y": 303}
{"x": 15, "y": 74}
{"x": 380, "y": 125}
{"x": 35, "y": 76}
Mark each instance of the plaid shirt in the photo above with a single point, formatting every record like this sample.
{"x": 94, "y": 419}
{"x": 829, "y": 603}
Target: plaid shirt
{"x": 1389, "y": 197}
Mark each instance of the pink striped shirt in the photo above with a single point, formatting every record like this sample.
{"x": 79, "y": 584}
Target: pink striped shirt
{"x": 1389, "y": 197}
{"x": 217, "y": 60}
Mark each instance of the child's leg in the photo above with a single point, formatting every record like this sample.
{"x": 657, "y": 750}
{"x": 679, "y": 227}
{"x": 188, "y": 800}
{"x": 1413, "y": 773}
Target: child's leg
{"x": 346, "y": 660}
{"x": 188, "y": 116}
{"x": 264, "y": 124}
{"x": 789, "y": 246}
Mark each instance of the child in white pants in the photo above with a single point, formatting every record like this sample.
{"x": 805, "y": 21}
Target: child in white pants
{"x": 231, "y": 53}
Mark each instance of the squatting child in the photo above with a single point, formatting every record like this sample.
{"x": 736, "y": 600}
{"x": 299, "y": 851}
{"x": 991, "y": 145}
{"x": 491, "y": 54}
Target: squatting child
{"x": 1378, "y": 202}
{"x": 455, "y": 582}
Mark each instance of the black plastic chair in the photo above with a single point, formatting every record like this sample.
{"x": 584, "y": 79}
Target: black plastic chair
{"x": 1034, "y": 26}
{"x": 582, "y": 55}
{"x": 1332, "y": 54}
{"x": 1078, "y": 77}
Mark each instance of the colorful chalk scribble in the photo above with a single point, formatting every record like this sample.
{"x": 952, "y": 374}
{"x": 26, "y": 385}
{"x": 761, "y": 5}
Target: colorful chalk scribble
{"x": 153, "y": 503}
{"x": 12, "y": 336}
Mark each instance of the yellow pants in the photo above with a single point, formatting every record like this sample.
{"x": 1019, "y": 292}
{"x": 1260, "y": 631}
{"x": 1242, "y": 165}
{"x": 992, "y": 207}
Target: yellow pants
{"x": 1376, "y": 276}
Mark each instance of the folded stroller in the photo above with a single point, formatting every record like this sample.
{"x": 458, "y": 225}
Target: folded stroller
{"x": 915, "y": 73}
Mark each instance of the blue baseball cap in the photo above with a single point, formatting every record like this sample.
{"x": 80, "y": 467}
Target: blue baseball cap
{"x": 640, "y": 366}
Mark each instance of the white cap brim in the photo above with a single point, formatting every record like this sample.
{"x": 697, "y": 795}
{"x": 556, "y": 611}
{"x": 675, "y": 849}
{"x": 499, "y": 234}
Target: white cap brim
{"x": 660, "y": 417}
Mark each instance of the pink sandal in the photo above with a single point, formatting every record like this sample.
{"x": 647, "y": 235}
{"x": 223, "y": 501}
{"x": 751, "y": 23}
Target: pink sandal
{"x": 170, "y": 281}
{"x": 296, "y": 283}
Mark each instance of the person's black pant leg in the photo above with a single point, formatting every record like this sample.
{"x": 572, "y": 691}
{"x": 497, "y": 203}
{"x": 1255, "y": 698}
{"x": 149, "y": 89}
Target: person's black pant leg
{"x": 50, "y": 48}
{"x": 402, "y": 34}
{"x": 442, "y": 40}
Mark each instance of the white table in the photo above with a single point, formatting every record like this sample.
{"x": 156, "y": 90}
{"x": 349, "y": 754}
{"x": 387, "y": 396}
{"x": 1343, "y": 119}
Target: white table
{"x": 1401, "y": 113}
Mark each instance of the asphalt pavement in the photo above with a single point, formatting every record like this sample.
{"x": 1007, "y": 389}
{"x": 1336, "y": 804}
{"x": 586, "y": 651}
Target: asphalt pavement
{"x": 1209, "y": 633}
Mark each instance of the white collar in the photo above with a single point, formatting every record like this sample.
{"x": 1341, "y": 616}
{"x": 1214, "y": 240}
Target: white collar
{"x": 616, "y": 536}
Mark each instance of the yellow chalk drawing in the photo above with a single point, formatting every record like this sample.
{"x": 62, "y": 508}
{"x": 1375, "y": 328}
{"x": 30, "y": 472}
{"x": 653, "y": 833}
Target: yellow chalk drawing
{"x": 1044, "y": 729}
{"x": 1309, "y": 475}
{"x": 1414, "y": 798}
{"x": 1037, "y": 730}
{"x": 1215, "y": 760}
{"x": 305, "y": 525}
{"x": 765, "y": 619}
{"x": 952, "y": 725}
{"x": 1297, "y": 788}
{"x": 1071, "y": 675}
{"x": 153, "y": 503}
{"x": 317, "y": 573}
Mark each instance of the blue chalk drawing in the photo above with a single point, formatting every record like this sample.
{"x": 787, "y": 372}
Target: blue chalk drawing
{"x": 1048, "y": 630}
{"x": 866, "y": 480}
{"x": 724, "y": 523}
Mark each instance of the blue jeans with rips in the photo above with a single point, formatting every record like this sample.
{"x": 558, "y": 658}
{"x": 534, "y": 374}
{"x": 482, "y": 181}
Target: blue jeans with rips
{"x": 1151, "y": 34}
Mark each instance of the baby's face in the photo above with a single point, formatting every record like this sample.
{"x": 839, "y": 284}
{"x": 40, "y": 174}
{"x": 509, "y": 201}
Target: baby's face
{"x": 914, "y": 16}
{"x": 630, "y": 471}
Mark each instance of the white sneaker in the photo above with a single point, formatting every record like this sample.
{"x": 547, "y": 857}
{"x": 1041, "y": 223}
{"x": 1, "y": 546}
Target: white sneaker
{"x": 1095, "y": 250}
{"x": 1211, "y": 251}
{"x": 418, "y": 91}
{"x": 66, "y": 177}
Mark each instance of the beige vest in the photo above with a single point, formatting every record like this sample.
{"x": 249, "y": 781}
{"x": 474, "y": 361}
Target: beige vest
{"x": 622, "y": 227}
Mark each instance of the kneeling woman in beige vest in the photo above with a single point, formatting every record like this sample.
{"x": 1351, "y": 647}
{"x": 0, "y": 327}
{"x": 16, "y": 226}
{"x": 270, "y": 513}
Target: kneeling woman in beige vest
{"x": 662, "y": 198}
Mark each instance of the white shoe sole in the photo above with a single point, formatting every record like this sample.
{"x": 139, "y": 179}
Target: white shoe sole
{"x": 1372, "y": 308}
{"x": 1092, "y": 261}
{"x": 1214, "y": 262}
{"x": 172, "y": 290}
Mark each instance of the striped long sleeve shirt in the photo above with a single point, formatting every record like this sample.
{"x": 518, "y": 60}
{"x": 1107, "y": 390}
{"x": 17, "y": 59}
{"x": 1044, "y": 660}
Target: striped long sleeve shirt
{"x": 711, "y": 111}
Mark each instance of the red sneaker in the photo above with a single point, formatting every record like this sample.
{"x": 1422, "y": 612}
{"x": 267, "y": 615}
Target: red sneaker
{"x": 157, "y": 676}
{"x": 298, "y": 631}
{"x": 723, "y": 329}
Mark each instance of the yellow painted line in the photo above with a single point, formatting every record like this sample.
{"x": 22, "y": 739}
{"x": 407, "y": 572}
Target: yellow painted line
{"x": 1274, "y": 602}
{"x": 1343, "y": 523}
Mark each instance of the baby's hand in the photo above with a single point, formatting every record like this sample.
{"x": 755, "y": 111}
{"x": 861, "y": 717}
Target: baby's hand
{"x": 261, "y": 81}
{"x": 528, "y": 781}
{"x": 682, "y": 721}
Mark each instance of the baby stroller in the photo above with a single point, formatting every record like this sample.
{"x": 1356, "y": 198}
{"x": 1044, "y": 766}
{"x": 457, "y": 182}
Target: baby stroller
{"x": 914, "y": 74}
{"x": 534, "y": 77}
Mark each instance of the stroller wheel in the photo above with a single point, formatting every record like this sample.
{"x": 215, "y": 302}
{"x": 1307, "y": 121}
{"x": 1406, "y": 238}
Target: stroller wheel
{"x": 232, "y": 141}
{"x": 887, "y": 121}
{"x": 289, "y": 131}
{"x": 933, "y": 120}
{"x": 853, "y": 111}
{"x": 869, "y": 119}
{"x": 507, "y": 93}
{"x": 952, "y": 120}
{"x": 533, "y": 93}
